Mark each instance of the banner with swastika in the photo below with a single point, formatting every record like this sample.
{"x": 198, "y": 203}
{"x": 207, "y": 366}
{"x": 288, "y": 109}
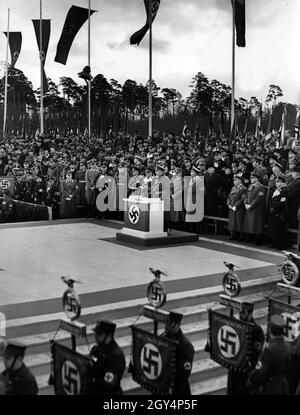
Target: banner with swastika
{"x": 291, "y": 315}
{"x": 7, "y": 183}
{"x": 154, "y": 363}
{"x": 69, "y": 369}
{"x": 230, "y": 340}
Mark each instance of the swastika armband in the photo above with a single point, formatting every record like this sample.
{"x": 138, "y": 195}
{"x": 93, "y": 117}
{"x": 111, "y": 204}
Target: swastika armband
{"x": 109, "y": 377}
{"x": 258, "y": 365}
{"x": 261, "y": 193}
{"x": 187, "y": 366}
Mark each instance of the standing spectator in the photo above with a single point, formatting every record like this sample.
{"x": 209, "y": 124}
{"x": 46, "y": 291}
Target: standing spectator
{"x": 211, "y": 184}
{"x": 7, "y": 208}
{"x": 236, "y": 207}
{"x": 260, "y": 170}
{"x": 91, "y": 177}
{"x": 193, "y": 208}
{"x": 278, "y": 216}
{"x": 69, "y": 197}
{"x": 292, "y": 194}
{"x": 39, "y": 192}
{"x": 177, "y": 198}
{"x": 255, "y": 208}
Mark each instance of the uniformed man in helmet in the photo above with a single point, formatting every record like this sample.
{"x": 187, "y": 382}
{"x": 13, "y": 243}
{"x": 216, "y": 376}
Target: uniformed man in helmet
{"x": 274, "y": 367}
{"x": 105, "y": 374}
{"x": 16, "y": 379}
{"x": 184, "y": 354}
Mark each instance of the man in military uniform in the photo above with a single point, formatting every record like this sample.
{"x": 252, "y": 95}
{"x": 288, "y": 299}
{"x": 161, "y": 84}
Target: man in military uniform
{"x": 7, "y": 208}
{"x": 255, "y": 208}
{"x": 184, "y": 354}
{"x": 260, "y": 170}
{"x": 236, "y": 207}
{"x": 69, "y": 198}
{"x": 105, "y": 374}
{"x": 277, "y": 225}
{"x": 276, "y": 172}
{"x": 275, "y": 364}
{"x": 91, "y": 177}
{"x": 16, "y": 379}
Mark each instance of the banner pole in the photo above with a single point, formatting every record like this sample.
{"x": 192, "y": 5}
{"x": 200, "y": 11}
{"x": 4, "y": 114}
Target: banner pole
{"x": 233, "y": 132}
{"x": 89, "y": 64}
{"x": 6, "y": 78}
{"x": 150, "y": 68}
{"x": 41, "y": 70}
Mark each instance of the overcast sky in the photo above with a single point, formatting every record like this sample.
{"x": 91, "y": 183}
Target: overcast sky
{"x": 188, "y": 36}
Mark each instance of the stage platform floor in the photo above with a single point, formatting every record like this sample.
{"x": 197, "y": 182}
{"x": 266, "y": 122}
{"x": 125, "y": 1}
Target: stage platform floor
{"x": 33, "y": 258}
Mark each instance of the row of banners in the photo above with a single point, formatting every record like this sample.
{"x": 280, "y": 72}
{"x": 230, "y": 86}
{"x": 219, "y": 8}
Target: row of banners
{"x": 154, "y": 357}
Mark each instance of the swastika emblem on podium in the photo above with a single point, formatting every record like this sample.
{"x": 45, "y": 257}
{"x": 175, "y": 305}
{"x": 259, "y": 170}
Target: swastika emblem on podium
{"x": 70, "y": 377}
{"x": 228, "y": 341}
{"x": 151, "y": 361}
{"x": 134, "y": 214}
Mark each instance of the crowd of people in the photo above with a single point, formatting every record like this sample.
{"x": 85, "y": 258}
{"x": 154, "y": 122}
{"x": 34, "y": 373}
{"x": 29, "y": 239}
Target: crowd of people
{"x": 252, "y": 182}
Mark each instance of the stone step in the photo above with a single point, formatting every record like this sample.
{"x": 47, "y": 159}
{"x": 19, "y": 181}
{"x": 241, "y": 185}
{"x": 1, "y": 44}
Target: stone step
{"x": 49, "y": 322}
{"x": 195, "y": 320}
{"x": 40, "y": 364}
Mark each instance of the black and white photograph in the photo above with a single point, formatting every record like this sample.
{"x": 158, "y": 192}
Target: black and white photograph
{"x": 149, "y": 200}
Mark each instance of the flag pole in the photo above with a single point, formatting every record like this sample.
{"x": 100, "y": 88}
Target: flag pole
{"x": 89, "y": 64}
{"x": 6, "y": 78}
{"x": 233, "y": 132}
{"x": 150, "y": 68}
{"x": 41, "y": 70}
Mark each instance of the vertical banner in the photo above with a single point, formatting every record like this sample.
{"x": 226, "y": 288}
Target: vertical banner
{"x": 230, "y": 341}
{"x": 154, "y": 362}
{"x": 75, "y": 19}
{"x": 290, "y": 314}
{"x": 46, "y": 27}
{"x": 138, "y": 36}
{"x": 15, "y": 44}
{"x": 70, "y": 369}
{"x": 240, "y": 22}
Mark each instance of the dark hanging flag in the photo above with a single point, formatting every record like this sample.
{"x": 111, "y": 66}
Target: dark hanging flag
{"x": 46, "y": 27}
{"x": 76, "y": 17}
{"x": 137, "y": 37}
{"x": 270, "y": 127}
{"x": 15, "y": 44}
{"x": 247, "y": 116}
{"x": 240, "y": 22}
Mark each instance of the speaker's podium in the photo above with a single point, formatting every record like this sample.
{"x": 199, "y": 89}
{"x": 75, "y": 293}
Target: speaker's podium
{"x": 144, "y": 223}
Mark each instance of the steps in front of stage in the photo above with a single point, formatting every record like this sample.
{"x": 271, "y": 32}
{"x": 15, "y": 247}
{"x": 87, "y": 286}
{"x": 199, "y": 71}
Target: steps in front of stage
{"x": 207, "y": 377}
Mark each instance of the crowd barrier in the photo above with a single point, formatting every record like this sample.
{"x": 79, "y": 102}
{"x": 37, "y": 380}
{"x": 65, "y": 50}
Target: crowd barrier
{"x": 27, "y": 212}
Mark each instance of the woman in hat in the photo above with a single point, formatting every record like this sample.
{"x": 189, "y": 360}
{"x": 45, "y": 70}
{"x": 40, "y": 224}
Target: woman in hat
{"x": 278, "y": 216}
